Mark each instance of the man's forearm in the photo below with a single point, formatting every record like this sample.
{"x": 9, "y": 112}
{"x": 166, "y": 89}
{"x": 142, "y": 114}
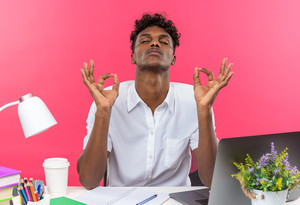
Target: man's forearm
{"x": 91, "y": 164}
{"x": 207, "y": 147}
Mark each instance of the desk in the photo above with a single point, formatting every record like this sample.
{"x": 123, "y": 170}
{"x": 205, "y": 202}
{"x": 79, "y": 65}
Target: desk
{"x": 74, "y": 191}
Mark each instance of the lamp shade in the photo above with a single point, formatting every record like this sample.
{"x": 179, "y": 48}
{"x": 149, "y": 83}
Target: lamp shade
{"x": 34, "y": 115}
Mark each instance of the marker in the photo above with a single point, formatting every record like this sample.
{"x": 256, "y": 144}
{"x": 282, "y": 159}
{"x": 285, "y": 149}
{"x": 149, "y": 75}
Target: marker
{"x": 36, "y": 196}
{"x": 39, "y": 191}
{"x": 146, "y": 200}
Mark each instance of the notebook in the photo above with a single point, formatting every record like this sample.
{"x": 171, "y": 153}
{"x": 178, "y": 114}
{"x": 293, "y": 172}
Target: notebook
{"x": 227, "y": 190}
{"x": 64, "y": 201}
{"x": 8, "y": 177}
{"x": 119, "y": 196}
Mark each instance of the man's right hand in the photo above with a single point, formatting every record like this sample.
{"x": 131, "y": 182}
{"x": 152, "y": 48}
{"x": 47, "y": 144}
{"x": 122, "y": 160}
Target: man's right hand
{"x": 104, "y": 99}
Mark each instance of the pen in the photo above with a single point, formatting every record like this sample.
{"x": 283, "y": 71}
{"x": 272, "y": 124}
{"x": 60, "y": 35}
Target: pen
{"x": 146, "y": 200}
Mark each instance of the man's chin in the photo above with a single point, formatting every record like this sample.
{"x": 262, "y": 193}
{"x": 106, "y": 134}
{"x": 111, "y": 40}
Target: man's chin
{"x": 155, "y": 66}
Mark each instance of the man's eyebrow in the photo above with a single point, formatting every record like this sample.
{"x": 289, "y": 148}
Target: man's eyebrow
{"x": 145, "y": 34}
{"x": 162, "y": 35}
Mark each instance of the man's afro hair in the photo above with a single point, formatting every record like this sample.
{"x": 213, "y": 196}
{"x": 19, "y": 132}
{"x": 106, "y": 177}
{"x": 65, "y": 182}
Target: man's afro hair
{"x": 156, "y": 20}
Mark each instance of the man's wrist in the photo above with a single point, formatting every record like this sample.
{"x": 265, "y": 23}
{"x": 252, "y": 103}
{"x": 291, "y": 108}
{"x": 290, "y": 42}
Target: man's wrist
{"x": 103, "y": 113}
{"x": 204, "y": 111}
{"x": 203, "y": 108}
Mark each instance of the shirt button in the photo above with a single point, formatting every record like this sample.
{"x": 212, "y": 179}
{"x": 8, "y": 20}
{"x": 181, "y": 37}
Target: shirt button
{"x": 151, "y": 132}
{"x": 158, "y": 109}
{"x": 148, "y": 178}
{"x": 150, "y": 157}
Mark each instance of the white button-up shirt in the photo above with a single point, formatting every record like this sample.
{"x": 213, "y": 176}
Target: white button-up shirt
{"x": 147, "y": 149}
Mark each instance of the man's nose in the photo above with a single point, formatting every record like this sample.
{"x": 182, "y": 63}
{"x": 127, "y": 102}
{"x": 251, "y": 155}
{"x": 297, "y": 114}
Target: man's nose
{"x": 155, "y": 43}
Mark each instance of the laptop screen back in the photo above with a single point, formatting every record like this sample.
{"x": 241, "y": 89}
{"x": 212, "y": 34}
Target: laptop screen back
{"x": 227, "y": 190}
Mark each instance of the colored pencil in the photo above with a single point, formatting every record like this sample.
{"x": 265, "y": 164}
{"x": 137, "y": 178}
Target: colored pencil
{"x": 24, "y": 194}
{"x": 27, "y": 193}
{"x": 32, "y": 191}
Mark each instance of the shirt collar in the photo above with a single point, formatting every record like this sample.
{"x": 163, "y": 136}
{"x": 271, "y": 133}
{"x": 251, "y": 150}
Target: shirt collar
{"x": 133, "y": 98}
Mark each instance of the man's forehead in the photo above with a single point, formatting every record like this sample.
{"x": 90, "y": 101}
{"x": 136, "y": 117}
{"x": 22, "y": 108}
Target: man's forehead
{"x": 154, "y": 30}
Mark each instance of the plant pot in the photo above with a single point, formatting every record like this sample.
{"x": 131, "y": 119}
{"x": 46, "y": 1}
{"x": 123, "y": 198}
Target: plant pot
{"x": 270, "y": 198}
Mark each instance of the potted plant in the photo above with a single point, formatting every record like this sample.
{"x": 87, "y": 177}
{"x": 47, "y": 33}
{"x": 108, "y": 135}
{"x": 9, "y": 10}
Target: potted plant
{"x": 269, "y": 180}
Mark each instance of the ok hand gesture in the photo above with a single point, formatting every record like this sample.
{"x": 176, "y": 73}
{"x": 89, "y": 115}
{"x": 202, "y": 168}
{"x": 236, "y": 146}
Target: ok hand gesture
{"x": 206, "y": 95}
{"x": 104, "y": 99}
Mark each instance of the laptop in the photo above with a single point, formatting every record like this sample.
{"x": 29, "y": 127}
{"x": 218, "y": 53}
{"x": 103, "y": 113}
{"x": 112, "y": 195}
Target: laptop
{"x": 226, "y": 189}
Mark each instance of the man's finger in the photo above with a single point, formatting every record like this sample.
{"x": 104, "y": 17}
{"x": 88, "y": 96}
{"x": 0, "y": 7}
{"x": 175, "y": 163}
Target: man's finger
{"x": 116, "y": 83}
{"x": 223, "y": 66}
{"x": 91, "y": 71}
{"x": 210, "y": 75}
{"x": 225, "y": 82}
{"x": 197, "y": 76}
{"x": 104, "y": 77}
{"x": 228, "y": 69}
{"x": 86, "y": 70}
{"x": 85, "y": 80}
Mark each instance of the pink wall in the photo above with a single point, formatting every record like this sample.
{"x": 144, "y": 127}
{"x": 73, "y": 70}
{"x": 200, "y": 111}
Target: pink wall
{"x": 44, "y": 44}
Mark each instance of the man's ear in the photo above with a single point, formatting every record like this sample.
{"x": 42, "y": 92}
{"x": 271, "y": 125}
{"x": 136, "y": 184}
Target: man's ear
{"x": 174, "y": 60}
{"x": 132, "y": 59}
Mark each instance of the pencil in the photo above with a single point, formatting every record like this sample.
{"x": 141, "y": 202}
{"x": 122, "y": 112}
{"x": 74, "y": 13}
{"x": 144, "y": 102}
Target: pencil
{"x": 20, "y": 194}
{"x": 22, "y": 182}
{"x": 27, "y": 193}
{"x": 24, "y": 195}
{"x": 19, "y": 190}
{"x": 32, "y": 191}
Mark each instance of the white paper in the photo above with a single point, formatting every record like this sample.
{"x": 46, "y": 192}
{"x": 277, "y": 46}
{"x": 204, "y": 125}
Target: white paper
{"x": 103, "y": 195}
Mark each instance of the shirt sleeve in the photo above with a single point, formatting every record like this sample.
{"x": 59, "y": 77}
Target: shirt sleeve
{"x": 89, "y": 127}
{"x": 195, "y": 136}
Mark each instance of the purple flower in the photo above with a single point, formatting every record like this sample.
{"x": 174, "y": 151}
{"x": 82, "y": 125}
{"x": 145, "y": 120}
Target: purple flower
{"x": 273, "y": 152}
{"x": 294, "y": 171}
{"x": 257, "y": 183}
{"x": 263, "y": 161}
{"x": 251, "y": 170}
{"x": 276, "y": 171}
{"x": 286, "y": 163}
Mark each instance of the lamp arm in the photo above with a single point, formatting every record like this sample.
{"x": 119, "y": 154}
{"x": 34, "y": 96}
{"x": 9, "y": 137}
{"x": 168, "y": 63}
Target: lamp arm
{"x": 9, "y": 104}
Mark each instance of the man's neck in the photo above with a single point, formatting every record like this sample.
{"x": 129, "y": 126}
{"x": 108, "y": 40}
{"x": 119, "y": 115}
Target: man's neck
{"x": 152, "y": 87}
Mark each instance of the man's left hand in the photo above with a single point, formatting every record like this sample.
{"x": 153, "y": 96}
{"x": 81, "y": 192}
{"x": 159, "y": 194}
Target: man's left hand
{"x": 206, "y": 95}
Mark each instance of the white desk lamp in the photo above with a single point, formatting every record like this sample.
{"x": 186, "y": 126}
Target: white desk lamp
{"x": 34, "y": 115}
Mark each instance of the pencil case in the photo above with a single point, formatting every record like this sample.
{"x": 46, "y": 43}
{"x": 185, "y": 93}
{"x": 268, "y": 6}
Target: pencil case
{"x": 44, "y": 201}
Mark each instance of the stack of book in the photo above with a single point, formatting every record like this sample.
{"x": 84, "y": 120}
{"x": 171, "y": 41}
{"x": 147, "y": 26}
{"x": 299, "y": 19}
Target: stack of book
{"x": 9, "y": 178}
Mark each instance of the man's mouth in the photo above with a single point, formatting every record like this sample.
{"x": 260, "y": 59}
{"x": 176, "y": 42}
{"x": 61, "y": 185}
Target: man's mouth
{"x": 155, "y": 52}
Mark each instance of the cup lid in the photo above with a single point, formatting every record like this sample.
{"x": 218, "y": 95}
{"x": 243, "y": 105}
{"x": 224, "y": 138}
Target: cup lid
{"x": 56, "y": 163}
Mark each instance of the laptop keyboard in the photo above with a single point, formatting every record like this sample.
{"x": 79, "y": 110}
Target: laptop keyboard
{"x": 202, "y": 201}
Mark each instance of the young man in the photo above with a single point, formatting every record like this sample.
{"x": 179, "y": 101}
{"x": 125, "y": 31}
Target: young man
{"x": 147, "y": 126}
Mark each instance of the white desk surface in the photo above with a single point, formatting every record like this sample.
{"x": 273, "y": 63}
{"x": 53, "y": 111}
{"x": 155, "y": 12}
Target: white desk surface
{"x": 74, "y": 191}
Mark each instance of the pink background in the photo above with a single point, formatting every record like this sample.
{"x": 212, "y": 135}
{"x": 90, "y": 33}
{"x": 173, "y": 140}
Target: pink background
{"x": 44, "y": 44}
